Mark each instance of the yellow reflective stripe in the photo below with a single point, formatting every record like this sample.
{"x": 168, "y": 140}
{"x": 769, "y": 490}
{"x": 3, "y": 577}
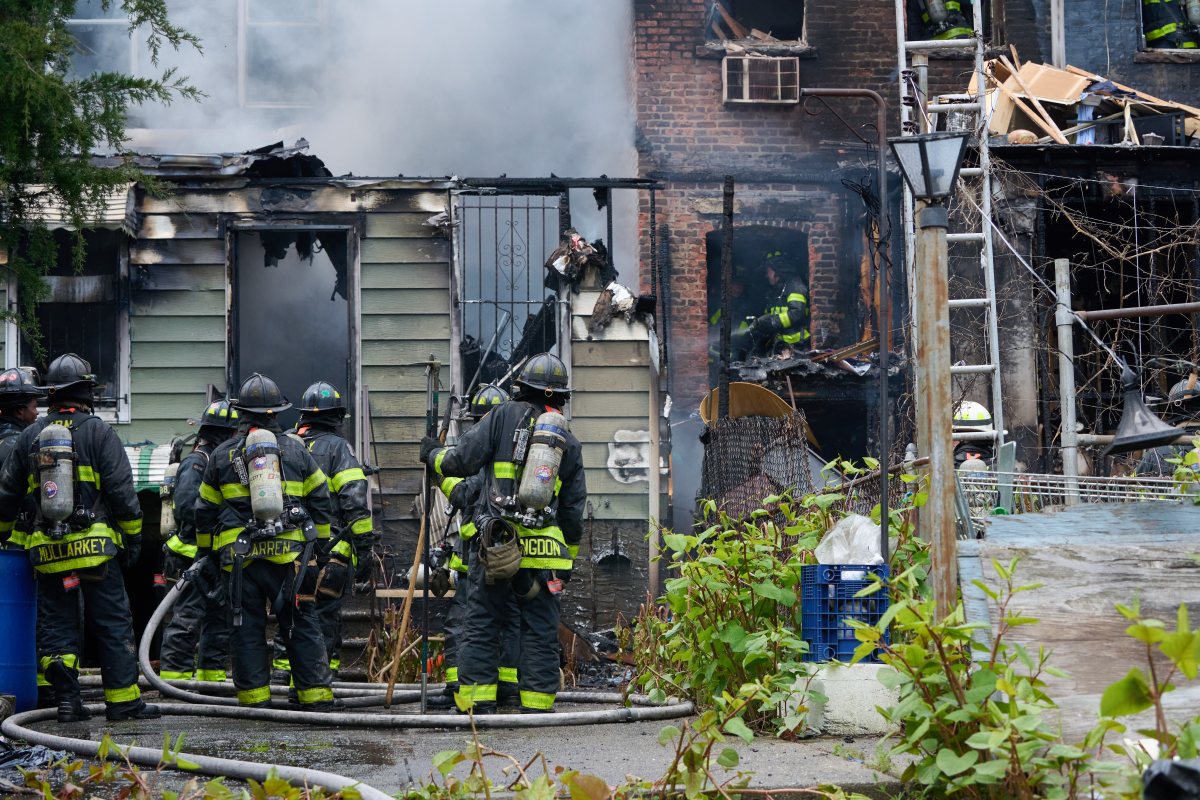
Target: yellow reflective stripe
{"x": 313, "y": 481}
{"x": 251, "y": 696}
{"x": 504, "y": 469}
{"x": 315, "y": 695}
{"x": 69, "y": 660}
{"x": 210, "y": 494}
{"x": 1158, "y": 33}
{"x": 345, "y": 476}
{"x": 226, "y": 538}
{"x": 796, "y": 297}
{"x": 324, "y": 531}
{"x": 335, "y": 664}
{"x": 955, "y": 33}
{"x": 451, "y": 674}
{"x": 557, "y": 485}
{"x": 785, "y": 318}
{"x": 551, "y": 532}
{"x": 467, "y": 696}
{"x": 541, "y": 701}
{"x": 31, "y": 485}
{"x": 171, "y": 675}
{"x": 792, "y": 338}
{"x": 41, "y": 680}
{"x": 18, "y": 538}
{"x": 573, "y": 549}
{"x": 546, "y": 563}
{"x": 437, "y": 460}
{"x": 508, "y": 674}
{"x": 343, "y": 548}
{"x": 282, "y": 663}
{"x": 448, "y": 484}
{"x": 86, "y": 474}
{"x": 204, "y": 540}
{"x": 128, "y": 694}
{"x": 130, "y": 527}
{"x": 211, "y": 675}
{"x": 456, "y": 563}
{"x": 468, "y": 530}
{"x": 231, "y": 490}
{"x": 177, "y": 545}
{"x": 361, "y": 526}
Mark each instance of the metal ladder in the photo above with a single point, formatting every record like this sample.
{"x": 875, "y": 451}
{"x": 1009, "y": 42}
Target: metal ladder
{"x": 913, "y": 57}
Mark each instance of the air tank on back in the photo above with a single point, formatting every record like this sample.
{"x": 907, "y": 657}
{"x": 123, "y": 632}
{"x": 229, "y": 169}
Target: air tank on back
{"x": 56, "y": 477}
{"x": 262, "y": 466}
{"x": 542, "y": 463}
{"x": 166, "y": 494}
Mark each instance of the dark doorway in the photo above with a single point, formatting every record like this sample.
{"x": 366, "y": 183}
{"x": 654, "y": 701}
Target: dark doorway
{"x": 291, "y": 314}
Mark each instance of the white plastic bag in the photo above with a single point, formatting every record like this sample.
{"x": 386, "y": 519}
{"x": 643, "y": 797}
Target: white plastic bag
{"x": 854, "y": 540}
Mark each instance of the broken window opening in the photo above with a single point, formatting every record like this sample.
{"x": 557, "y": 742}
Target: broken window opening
{"x": 1170, "y": 24}
{"x": 280, "y": 52}
{"x": 103, "y": 41}
{"x": 940, "y": 20}
{"x": 754, "y": 20}
{"x": 86, "y": 313}
{"x": 291, "y": 313}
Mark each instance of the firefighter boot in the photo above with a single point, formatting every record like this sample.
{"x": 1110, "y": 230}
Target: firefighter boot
{"x": 66, "y": 689}
{"x": 139, "y": 709}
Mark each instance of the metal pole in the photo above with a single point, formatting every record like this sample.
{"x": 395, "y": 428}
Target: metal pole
{"x": 655, "y": 476}
{"x": 1140, "y": 311}
{"x": 1066, "y": 378}
{"x": 934, "y": 408}
{"x": 884, "y": 312}
{"x": 726, "y": 309}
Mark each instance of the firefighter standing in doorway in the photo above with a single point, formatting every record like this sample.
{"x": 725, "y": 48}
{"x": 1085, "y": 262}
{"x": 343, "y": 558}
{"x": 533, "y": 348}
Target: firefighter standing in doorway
{"x": 529, "y": 521}
{"x": 785, "y": 321}
{"x": 197, "y": 620}
{"x": 67, "y": 496}
{"x": 263, "y": 512}
{"x": 463, "y": 495}
{"x": 348, "y": 554}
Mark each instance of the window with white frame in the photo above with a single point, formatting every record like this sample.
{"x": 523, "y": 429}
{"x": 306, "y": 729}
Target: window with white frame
{"x": 103, "y": 42}
{"x": 87, "y": 312}
{"x": 760, "y": 21}
{"x": 279, "y": 52}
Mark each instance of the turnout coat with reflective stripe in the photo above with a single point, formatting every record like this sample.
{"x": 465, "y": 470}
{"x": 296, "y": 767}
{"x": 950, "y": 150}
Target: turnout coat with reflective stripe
{"x": 103, "y": 484}
{"x": 187, "y": 489}
{"x": 222, "y": 508}
{"x": 350, "y": 491}
{"x": 489, "y": 444}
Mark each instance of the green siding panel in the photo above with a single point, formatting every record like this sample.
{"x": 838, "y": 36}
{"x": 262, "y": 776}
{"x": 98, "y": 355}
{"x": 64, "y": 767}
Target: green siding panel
{"x": 179, "y": 276}
{"x": 411, "y": 333}
{"x": 185, "y": 402}
{"x": 176, "y": 378}
{"x": 403, "y": 276}
{"x": 405, "y": 301}
{"x": 318, "y": 199}
{"x": 621, "y": 507}
{"x": 405, "y": 251}
{"x": 157, "y": 431}
{"x": 610, "y": 354}
{"x": 610, "y": 404}
{"x": 410, "y": 225}
{"x": 178, "y": 251}
{"x": 178, "y": 303}
{"x": 180, "y": 226}
{"x": 612, "y": 379}
{"x": 178, "y": 354}
{"x": 178, "y": 329}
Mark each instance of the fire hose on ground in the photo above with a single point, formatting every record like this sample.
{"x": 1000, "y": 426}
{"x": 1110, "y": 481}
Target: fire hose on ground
{"x": 356, "y": 695}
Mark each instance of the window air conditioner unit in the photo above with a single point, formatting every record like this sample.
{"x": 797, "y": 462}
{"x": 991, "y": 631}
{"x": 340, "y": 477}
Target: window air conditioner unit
{"x": 760, "y": 79}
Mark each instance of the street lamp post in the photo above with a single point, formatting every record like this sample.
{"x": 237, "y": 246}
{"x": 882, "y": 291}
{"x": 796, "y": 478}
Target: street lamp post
{"x": 930, "y": 164}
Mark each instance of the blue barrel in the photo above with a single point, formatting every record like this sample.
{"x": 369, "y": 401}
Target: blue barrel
{"x": 18, "y": 616}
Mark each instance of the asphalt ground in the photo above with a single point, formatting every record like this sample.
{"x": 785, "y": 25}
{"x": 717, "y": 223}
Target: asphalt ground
{"x": 391, "y": 760}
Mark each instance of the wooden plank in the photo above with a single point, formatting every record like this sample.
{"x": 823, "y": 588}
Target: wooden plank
{"x": 739, "y": 30}
{"x": 610, "y": 404}
{"x": 434, "y": 275}
{"x": 179, "y": 226}
{"x": 178, "y": 251}
{"x": 176, "y": 379}
{"x": 295, "y": 199}
{"x": 178, "y": 354}
{"x": 405, "y": 251}
{"x": 404, "y": 225}
{"x": 1049, "y": 128}
{"x": 406, "y": 301}
{"x": 178, "y": 303}
{"x": 1053, "y": 130}
{"x": 178, "y": 276}
{"x": 610, "y": 354}
{"x": 611, "y": 379}
{"x": 177, "y": 329}
{"x": 419, "y": 333}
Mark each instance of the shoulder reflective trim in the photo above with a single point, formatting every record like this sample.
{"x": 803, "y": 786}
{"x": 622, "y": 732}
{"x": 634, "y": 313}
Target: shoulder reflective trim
{"x": 211, "y": 675}
{"x": 126, "y": 695}
{"x": 468, "y": 695}
{"x": 573, "y": 549}
{"x": 311, "y": 483}
{"x": 345, "y": 476}
{"x": 468, "y": 530}
{"x": 318, "y": 694}
{"x": 251, "y": 696}
{"x": 171, "y": 675}
{"x": 508, "y": 674}
{"x": 451, "y": 674}
{"x": 210, "y": 494}
{"x": 232, "y": 490}
{"x": 504, "y": 469}
{"x": 541, "y": 701}
{"x": 437, "y": 460}
{"x": 177, "y": 545}
{"x": 796, "y": 297}
{"x": 361, "y": 526}
{"x": 130, "y": 527}
{"x": 87, "y": 475}
{"x": 69, "y": 660}
{"x": 343, "y": 549}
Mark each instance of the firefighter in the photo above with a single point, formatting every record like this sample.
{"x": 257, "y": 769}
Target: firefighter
{"x": 945, "y": 19}
{"x": 68, "y": 488}
{"x": 973, "y": 454}
{"x": 198, "y": 620}
{"x": 321, "y": 414}
{"x": 18, "y": 408}
{"x": 786, "y": 319}
{"x": 463, "y": 495}
{"x": 266, "y": 541}
{"x": 1166, "y": 25}
{"x": 529, "y": 533}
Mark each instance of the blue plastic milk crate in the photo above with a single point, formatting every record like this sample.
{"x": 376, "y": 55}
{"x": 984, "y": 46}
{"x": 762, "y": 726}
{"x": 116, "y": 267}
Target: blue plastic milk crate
{"x": 827, "y": 600}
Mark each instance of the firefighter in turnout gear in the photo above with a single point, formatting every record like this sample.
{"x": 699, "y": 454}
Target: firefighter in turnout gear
{"x": 198, "y": 621}
{"x": 347, "y": 556}
{"x": 1165, "y": 25}
{"x": 262, "y": 514}
{"x": 67, "y": 496}
{"x": 529, "y": 523}
{"x": 786, "y": 320}
{"x": 946, "y": 19}
{"x": 463, "y": 495}
{"x": 18, "y": 410}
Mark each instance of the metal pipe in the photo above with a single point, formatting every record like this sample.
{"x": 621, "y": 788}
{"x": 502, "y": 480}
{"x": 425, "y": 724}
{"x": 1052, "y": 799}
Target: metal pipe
{"x": 1069, "y": 437}
{"x": 1105, "y": 439}
{"x": 884, "y": 311}
{"x": 655, "y": 476}
{"x": 1140, "y": 311}
{"x": 726, "y": 304}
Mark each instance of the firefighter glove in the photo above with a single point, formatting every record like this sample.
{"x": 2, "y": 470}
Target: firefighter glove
{"x": 439, "y": 582}
{"x": 365, "y": 554}
{"x": 174, "y": 564}
{"x": 428, "y": 445}
{"x": 131, "y": 551}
